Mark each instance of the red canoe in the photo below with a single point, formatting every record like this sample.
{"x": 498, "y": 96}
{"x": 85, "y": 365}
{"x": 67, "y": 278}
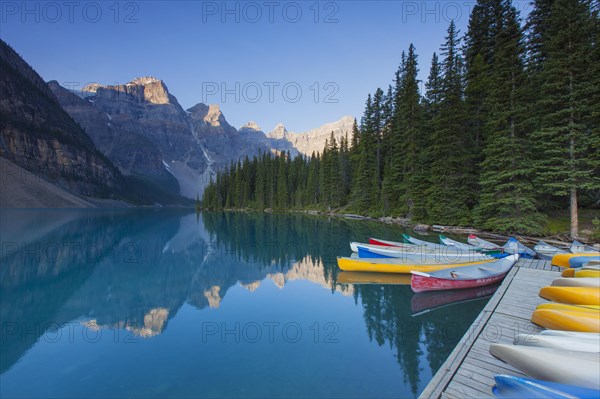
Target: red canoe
{"x": 384, "y": 243}
{"x": 465, "y": 277}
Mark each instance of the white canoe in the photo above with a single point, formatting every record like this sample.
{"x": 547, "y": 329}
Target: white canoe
{"x": 547, "y": 251}
{"x": 397, "y": 252}
{"x": 577, "y": 282}
{"x": 555, "y": 365}
{"x": 582, "y": 335}
{"x": 591, "y": 344}
{"x": 405, "y": 248}
{"x": 366, "y": 251}
{"x": 580, "y": 248}
{"x": 457, "y": 244}
{"x": 514, "y": 246}
{"x": 591, "y": 265}
{"x": 480, "y": 243}
{"x": 428, "y": 244}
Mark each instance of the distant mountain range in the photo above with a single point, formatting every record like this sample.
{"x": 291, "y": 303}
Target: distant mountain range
{"x": 113, "y": 135}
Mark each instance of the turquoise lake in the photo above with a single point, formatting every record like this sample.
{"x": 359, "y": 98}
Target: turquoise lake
{"x": 167, "y": 303}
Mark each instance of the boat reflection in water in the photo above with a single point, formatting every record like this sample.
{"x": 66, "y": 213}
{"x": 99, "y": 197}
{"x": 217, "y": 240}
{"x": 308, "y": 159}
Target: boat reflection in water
{"x": 373, "y": 278}
{"x": 424, "y": 302}
{"x": 77, "y": 288}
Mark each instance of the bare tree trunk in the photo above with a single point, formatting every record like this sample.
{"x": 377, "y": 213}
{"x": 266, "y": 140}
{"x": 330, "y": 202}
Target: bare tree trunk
{"x": 574, "y": 215}
{"x": 574, "y": 211}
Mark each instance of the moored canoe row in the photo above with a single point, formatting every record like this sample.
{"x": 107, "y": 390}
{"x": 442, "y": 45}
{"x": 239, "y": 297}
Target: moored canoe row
{"x": 452, "y": 264}
{"x": 445, "y": 266}
{"x": 564, "y": 361}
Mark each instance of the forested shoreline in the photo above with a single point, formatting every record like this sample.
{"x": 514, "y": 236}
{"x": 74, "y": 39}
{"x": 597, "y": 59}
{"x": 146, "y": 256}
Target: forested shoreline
{"x": 507, "y": 128}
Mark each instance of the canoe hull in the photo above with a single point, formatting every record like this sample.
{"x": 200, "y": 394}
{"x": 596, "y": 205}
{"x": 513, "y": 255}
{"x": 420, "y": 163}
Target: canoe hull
{"x": 576, "y": 282}
{"x": 581, "y": 273}
{"x": 457, "y": 244}
{"x": 572, "y": 295}
{"x": 574, "y": 260}
{"x": 420, "y": 283}
{"x": 513, "y": 246}
{"x": 372, "y": 251}
{"x": 574, "y": 308}
{"x": 370, "y": 265}
{"x": 478, "y": 242}
{"x": 385, "y": 243}
{"x": 556, "y": 342}
{"x": 511, "y": 387}
{"x": 567, "y": 320}
{"x": 565, "y": 367}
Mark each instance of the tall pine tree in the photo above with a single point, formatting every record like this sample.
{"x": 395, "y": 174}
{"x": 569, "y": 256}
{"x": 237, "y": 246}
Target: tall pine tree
{"x": 507, "y": 202}
{"x": 450, "y": 171}
{"x": 564, "y": 138}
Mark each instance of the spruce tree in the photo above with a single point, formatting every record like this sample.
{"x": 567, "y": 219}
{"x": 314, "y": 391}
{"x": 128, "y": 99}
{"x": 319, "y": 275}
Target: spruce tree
{"x": 565, "y": 164}
{"x": 393, "y": 182}
{"x": 507, "y": 202}
{"x": 450, "y": 154}
{"x": 282, "y": 190}
{"x": 366, "y": 183}
{"x": 413, "y": 140}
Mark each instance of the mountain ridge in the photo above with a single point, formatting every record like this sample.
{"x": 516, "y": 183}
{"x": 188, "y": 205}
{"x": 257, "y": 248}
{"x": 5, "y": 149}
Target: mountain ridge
{"x": 131, "y": 141}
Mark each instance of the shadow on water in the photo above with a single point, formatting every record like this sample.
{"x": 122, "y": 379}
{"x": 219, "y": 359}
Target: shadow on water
{"x": 134, "y": 270}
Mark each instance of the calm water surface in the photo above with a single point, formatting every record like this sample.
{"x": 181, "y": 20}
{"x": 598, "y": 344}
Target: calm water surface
{"x": 114, "y": 304}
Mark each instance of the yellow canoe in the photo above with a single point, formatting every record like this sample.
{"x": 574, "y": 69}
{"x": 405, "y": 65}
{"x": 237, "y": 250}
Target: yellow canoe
{"x": 382, "y": 265}
{"x": 567, "y": 321}
{"x": 563, "y": 260}
{"x": 573, "y": 308}
{"x": 572, "y": 295}
{"x": 373, "y": 278}
{"x": 581, "y": 273}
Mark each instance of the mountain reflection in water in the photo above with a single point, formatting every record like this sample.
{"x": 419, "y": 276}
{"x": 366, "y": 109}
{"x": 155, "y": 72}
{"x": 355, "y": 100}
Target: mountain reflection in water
{"x": 138, "y": 271}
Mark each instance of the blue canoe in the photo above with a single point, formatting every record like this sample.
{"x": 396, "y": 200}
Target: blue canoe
{"x": 579, "y": 261}
{"x": 509, "y": 387}
{"x": 513, "y": 246}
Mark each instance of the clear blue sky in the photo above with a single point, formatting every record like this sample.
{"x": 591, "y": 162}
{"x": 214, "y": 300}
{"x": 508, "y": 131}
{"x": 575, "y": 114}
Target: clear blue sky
{"x": 349, "y": 48}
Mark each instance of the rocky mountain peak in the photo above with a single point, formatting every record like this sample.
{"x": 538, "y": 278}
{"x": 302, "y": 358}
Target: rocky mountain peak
{"x": 214, "y": 116}
{"x": 91, "y": 87}
{"x": 209, "y": 115}
{"x": 279, "y": 132}
{"x": 144, "y": 80}
{"x": 143, "y": 89}
{"x": 251, "y": 126}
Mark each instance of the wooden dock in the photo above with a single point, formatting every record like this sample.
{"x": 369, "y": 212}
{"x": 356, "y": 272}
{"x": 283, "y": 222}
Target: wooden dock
{"x": 470, "y": 369}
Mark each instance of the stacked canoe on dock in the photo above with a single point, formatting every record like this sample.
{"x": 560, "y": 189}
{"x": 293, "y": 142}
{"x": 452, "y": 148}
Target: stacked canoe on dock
{"x": 564, "y": 360}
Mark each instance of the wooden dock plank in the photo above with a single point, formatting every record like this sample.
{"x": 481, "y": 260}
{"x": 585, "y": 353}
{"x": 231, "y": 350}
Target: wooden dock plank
{"x": 469, "y": 370}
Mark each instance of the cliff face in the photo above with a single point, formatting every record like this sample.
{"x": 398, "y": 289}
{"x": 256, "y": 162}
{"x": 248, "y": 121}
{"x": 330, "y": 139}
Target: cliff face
{"x": 144, "y": 130}
{"x": 132, "y": 152}
{"x": 223, "y": 142}
{"x": 38, "y": 135}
